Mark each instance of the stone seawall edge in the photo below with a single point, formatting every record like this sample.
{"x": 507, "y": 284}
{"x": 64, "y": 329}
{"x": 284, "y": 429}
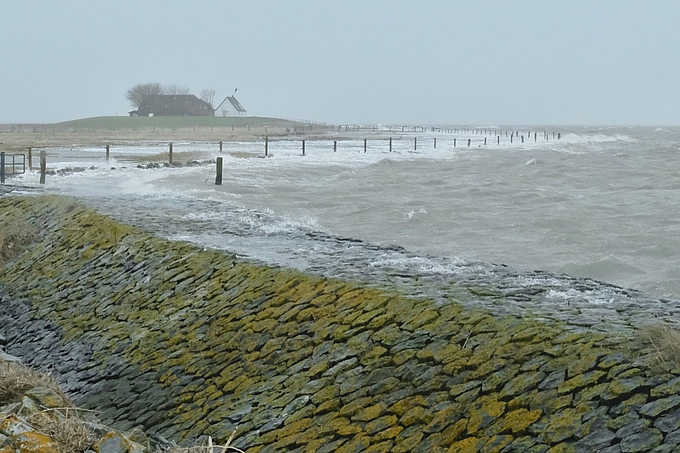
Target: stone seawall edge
{"x": 183, "y": 342}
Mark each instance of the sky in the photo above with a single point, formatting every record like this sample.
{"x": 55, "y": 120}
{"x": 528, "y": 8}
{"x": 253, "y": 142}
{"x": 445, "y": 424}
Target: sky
{"x": 446, "y": 62}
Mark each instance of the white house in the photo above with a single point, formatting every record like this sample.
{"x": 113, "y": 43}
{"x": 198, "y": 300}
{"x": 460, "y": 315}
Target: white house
{"x": 230, "y": 106}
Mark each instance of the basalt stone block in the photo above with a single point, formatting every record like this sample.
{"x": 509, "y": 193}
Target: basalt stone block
{"x": 634, "y": 427}
{"x": 596, "y": 440}
{"x": 642, "y": 441}
{"x": 619, "y": 388}
{"x": 668, "y": 423}
{"x": 660, "y": 406}
{"x": 672, "y": 387}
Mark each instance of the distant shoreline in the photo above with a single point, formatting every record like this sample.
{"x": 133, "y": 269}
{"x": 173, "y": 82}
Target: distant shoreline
{"x": 103, "y": 131}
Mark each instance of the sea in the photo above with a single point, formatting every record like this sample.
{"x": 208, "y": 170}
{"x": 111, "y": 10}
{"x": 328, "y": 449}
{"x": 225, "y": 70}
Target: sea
{"x": 556, "y": 207}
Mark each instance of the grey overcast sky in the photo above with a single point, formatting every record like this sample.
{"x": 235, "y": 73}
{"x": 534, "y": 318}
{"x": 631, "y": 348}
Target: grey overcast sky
{"x": 351, "y": 61}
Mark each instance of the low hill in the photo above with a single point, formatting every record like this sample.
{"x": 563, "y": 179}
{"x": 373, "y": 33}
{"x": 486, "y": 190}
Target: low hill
{"x": 128, "y": 122}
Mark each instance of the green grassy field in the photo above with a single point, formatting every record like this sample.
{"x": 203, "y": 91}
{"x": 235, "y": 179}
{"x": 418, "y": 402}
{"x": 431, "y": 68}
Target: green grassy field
{"x": 166, "y": 122}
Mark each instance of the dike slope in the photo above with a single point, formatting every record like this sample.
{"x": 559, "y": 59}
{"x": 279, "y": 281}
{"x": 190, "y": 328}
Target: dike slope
{"x": 182, "y": 342}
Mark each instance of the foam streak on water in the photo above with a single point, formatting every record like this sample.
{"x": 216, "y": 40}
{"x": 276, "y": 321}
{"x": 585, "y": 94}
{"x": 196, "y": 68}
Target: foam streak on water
{"x": 602, "y": 204}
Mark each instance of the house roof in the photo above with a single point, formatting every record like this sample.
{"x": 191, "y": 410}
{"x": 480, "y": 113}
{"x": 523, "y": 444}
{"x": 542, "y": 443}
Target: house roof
{"x": 174, "y": 104}
{"x": 234, "y": 103}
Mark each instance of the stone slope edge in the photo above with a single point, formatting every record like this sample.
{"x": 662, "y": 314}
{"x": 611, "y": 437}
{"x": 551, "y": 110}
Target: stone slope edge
{"x": 183, "y": 342}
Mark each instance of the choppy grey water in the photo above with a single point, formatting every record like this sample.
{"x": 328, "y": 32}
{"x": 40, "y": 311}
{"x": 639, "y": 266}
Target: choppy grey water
{"x": 600, "y": 205}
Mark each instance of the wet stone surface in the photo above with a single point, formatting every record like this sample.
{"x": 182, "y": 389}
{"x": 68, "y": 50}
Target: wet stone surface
{"x": 184, "y": 342}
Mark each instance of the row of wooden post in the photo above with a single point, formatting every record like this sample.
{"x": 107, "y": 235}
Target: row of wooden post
{"x": 218, "y": 179}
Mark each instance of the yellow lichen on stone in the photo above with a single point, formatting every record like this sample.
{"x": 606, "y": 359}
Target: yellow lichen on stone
{"x": 467, "y": 445}
{"x": 34, "y": 442}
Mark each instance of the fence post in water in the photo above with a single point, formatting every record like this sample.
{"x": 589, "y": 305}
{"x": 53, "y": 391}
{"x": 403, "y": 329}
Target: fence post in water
{"x": 107, "y": 152}
{"x": 511, "y": 135}
{"x": 220, "y": 145}
{"x": 43, "y": 166}
{"x": 266, "y": 146}
{"x": 522, "y": 138}
{"x": 30, "y": 158}
{"x": 534, "y": 136}
{"x": 2, "y": 167}
{"x": 365, "y": 140}
{"x": 498, "y": 139}
{"x": 469, "y": 141}
{"x": 170, "y": 153}
{"x": 435, "y": 143}
{"x": 484, "y": 141}
{"x": 218, "y": 178}
{"x": 559, "y": 136}
{"x": 303, "y": 147}
{"x": 390, "y": 144}
{"x": 415, "y": 143}
{"x": 335, "y": 145}
{"x": 454, "y": 142}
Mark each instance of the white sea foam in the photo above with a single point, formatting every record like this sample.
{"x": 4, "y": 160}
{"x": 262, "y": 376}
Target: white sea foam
{"x": 575, "y": 204}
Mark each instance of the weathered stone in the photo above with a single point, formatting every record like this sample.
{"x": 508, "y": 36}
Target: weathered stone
{"x": 642, "y": 441}
{"x": 669, "y": 422}
{"x": 596, "y": 440}
{"x": 561, "y": 426}
{"x": 635, "y": 426}
{"x": 13, "y": 425}
{"x": 622, "y": 387}
{"x": 484, "y": 413}
{"x": 112, "y": 442}
{"x": 553, "y": 380}
{"x": 657, "y": 407}
{"x": 34, "y": 442}
{"x": 416, "y": 415}
{"x": 521, "y": 384}
{"x": 46, "y": 397}
{"x": 370, "y": 413}
{"x": 519, "y": 420}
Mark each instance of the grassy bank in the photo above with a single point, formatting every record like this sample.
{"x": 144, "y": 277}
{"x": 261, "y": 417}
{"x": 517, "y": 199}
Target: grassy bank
{"x": 112, "y": 130}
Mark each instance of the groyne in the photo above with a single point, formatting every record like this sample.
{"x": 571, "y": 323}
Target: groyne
{"x": 183, "y": 342}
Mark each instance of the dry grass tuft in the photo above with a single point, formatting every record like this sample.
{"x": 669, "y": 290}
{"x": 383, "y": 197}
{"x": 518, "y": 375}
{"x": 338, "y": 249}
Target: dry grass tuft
{"x": 16, "y": 379}
{"x": 14, "y": 238}
{"x": 663, "y": 345}
{"x": 207, "y": 447}
{"x": 69, "y": 431}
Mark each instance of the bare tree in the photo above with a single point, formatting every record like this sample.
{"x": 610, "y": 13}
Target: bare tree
{"x": 139, "y": 92}
{"x": 173, "y": 88}
{"x": 208, "y": 95}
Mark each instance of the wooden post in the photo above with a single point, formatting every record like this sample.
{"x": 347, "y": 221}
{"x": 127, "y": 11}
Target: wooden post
{"x": 559, "y": 136}
{"x": 535, "y": 136}
{"x": 170, "y": 154}
{"x": 30, "y": 158}
{"x": 43, "y": 166}
{"x": 435, "y": 143}
{"x": 220, "y": 145}
{"x": 107, "y": 152}
{"x": 454, "y": 142}
{"x": 303, "y": 147}
{"x": 498, "y": 139}
{"x": 484, "y": 141}
{"x": 522, "y": 138}
{"x": 469, "y": 141}
{"x": 335, "y": 145}
{"x": 218, "y": 178}
{"x": 2, "y": 167}
{"x": 365, "y": 146}
{"x": 415, "y": 143}
{"x": 390, "y": 144}
{"x": 266, "y": 146}
{"x": 511, "y": 135}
